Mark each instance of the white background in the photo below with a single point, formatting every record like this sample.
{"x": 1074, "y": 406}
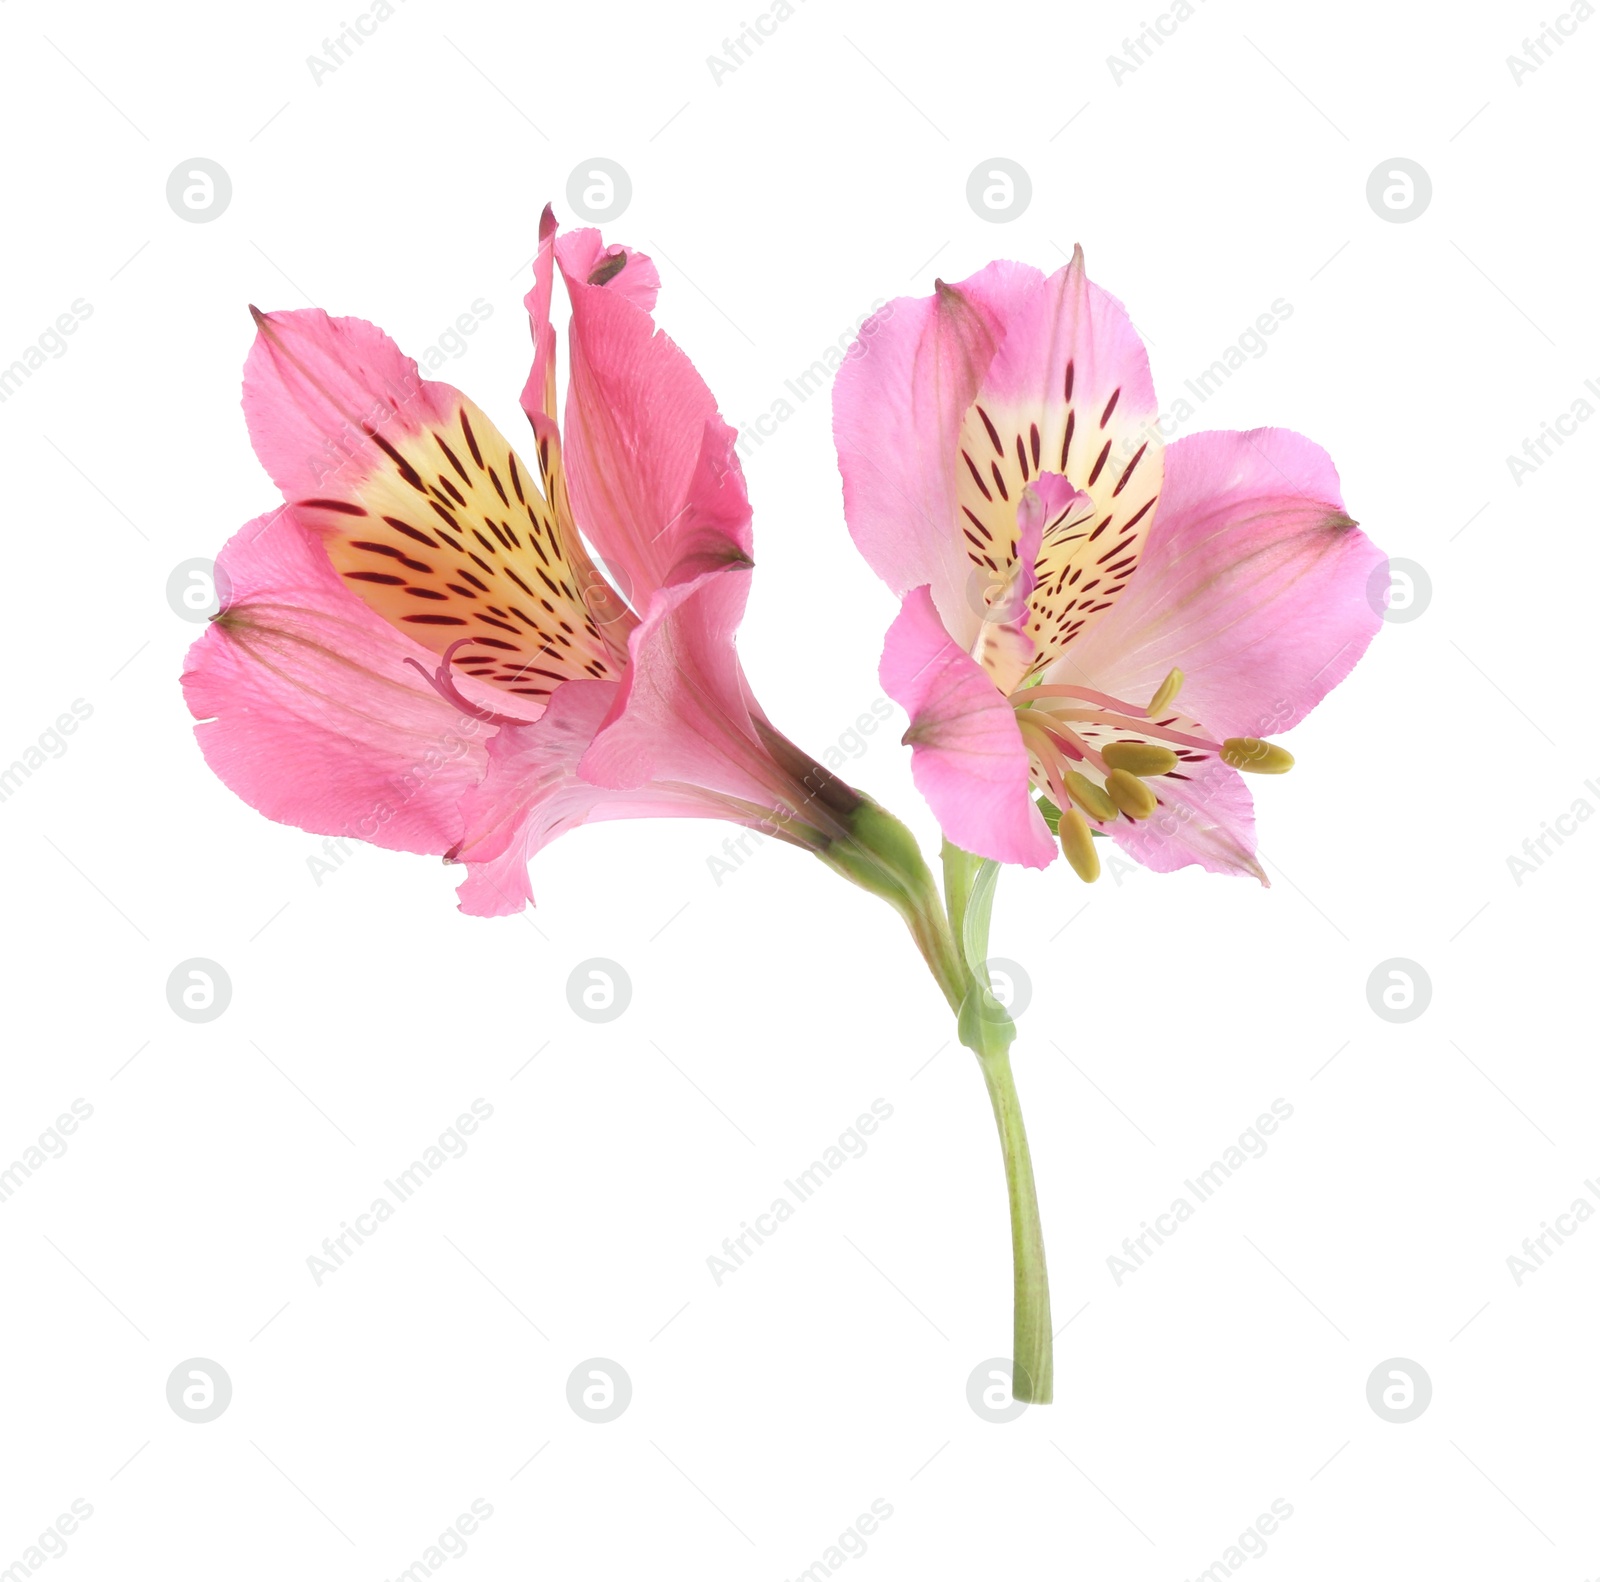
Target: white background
{"x": 1227, "y": 171}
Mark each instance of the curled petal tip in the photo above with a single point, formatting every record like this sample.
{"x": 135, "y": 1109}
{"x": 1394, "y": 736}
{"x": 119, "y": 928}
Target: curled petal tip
{"x": 612, "y": 265}
{"x": 256, "y": 314}
{"x": 547, "y": 223}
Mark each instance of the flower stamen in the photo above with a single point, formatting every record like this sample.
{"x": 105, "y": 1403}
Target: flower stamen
{"x": 1077, "y": 845}
{"x": 1165, "y": 693}
{"x": 1140, "y": 758}
{"x": 1046, "y": 716}
{"x": 1142, "y": 727}
{"x": 1090, "y": 797}
{"x": 1254, "y": 756}
{"x": 1064, "y": 743}
{"x": 1131, "y": 794}
{"x": 1102, "y": 700}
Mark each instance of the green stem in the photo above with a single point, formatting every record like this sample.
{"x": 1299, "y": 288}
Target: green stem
{"x": 880, "y": 854}
{"x": 987, "y": 1029}
{"x": 960, "y": 868}
{"x": 1032, "y": 1363}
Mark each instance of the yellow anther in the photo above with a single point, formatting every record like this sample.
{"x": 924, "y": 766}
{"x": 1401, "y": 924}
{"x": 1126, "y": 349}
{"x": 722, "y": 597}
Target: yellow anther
{"x": 1165, "y": 693}
{"x": 1256, "y": 757}
{"x": 1131, "y": 794}
{"x": 1139, "y": 758}
{"x": 1089, "y": 796}
{"x": 1077, "y": 845}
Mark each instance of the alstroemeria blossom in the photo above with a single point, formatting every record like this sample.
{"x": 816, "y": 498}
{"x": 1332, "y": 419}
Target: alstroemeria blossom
{"x": 1065, "y": 576}
{"x": 418, "y": 650}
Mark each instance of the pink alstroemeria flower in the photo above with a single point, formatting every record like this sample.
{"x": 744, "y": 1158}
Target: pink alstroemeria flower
{"x": 417, "y": 649}
{"x": 1065, "y": 576}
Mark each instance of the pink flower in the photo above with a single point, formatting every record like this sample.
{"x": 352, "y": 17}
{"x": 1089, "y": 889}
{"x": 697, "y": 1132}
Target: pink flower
{"x": 1066, "y": 577}
{"x": 417, "y": 648}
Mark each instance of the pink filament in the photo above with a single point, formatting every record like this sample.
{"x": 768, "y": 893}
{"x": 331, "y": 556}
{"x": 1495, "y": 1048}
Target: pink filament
{"x": 1101, "y": 700}
{"x": 1145, "y": 728}
{"x": 1067, "y": 743}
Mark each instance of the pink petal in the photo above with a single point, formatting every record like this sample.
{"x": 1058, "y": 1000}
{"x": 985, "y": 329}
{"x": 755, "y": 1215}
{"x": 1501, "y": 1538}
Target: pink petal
{"x": 1072, "y": 320}
{"x": 1005, "y": 644}
{"x": 539, "y": 394}
{"x": 1069, "y": 392}
{"x": 583, "y": 255}
{"x": 637, "y": 413}
{"x": 308, "y": 710}
{"x": 1209, "y": 820}
{"x": 532, "y": 792}
{"x": 430, "y": 483}
{"x": 683, "y": 711}
{"x": 1047, "y": 498}
{"x": 316, "y": 389}
{"x": 1254, "y": 584}
{"x": 898, "y": 402}
{"x": 686, "y": 713}
{"x": 967, "y": 755}
{"x": 498, "y": 887}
